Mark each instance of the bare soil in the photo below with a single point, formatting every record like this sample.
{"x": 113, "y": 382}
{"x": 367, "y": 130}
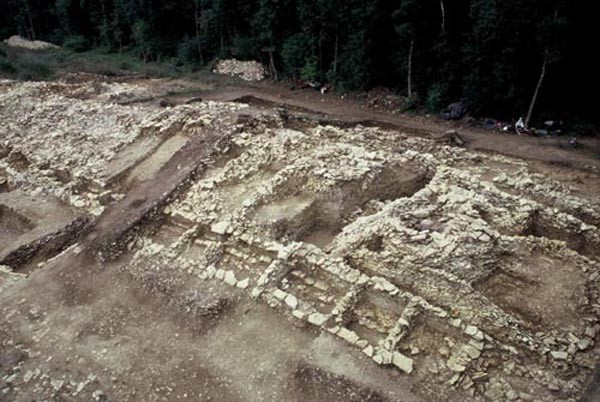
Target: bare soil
{"x": 274, "y": 245}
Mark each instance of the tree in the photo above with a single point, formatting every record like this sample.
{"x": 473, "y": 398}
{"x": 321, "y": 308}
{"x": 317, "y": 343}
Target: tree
{"x": 490, "y": 55}
{"x": 295, "y": 51}
{"x": 500, "y": 56}
{"x": 410, "y": 24}
{"x": 551, "y": 32}
{"x": 142, "y": 36}
{"x": 197, "y": 26}
{"x": 265, "y": 24}
{"x": 28, "y": 13}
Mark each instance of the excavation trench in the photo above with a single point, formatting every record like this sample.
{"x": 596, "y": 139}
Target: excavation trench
{"x": 12, "y": 226}
{"x": 541, "y": 226}
{"x": 317, "y": 218}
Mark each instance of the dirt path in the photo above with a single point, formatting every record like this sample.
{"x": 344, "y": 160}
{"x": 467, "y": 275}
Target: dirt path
{"x": 554, "y": 150}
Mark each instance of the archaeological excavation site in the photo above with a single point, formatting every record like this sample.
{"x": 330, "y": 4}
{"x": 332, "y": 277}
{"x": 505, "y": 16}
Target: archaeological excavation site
{"x": 240, "y": 246}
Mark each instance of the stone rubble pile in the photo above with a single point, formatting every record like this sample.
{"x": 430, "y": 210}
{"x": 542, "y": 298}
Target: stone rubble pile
{"x": 56, "y": 143}
{"x": 246, "y": 70}
{"x": 456, "y": 254}
{"x": 467, "y": 272}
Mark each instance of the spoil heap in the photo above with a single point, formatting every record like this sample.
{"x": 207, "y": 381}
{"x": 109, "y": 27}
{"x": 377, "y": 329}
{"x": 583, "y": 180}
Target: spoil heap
{"x": 246, "y": 70}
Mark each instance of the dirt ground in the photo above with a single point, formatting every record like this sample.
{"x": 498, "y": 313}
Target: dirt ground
{"x": 165, "y": 240}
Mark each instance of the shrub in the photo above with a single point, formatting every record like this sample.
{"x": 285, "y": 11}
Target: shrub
{"x": 77, "y": 43}
{"x": 243, "y": 47}
{"x": 30, "y": 66}
{"x": 6, "y": 67}
{"x": 310, "y": 70}
{"x": 187, "y": 51}
{"x": 295, "y": 53}
{"x": 125, "y": 66}
{"x": 434, "y": 102}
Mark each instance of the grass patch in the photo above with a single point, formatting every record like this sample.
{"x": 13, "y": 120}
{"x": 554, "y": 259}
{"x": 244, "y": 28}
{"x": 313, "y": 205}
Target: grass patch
{"x": 39, "y": 65}
{"x": 24, "y": 64}
{"x": 100, "y": 61}
{"x": 6, "y": 67}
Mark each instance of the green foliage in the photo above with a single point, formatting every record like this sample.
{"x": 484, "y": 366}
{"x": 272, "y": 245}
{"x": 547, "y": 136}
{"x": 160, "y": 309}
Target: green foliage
{"x": 27, "y": 64}
{"x": 243, "y": 47}
{"x": 6, "y": 67}
{"x": 265, "y": 22}
{"x": 435, "y": 98}
{"x": 77, "y": 43}
{"x": 309, "y": 72}
{"x": 354, "y": 70}
{"x": 295, "y": 54}
{"x": 143, "y": 39}
{"x": 489, "y": 52}
{"x": 187, "y": 51}
{"x": 32, "y": 68}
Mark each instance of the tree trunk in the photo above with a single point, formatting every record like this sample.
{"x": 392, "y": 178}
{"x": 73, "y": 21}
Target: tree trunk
{"x": 335, "y": 54}
{"x": 537, "y": 89}
{"x": 197, "y": 22}
{"x": 540, "y": 81}
{"x": 28, "y": 10}
{"x": 272, "y": 62}
{"x": 104, "y": 23}
{"x": 443, "y": 16}
{"x": 410, "y": 59}
{"x": 321, "y": 38}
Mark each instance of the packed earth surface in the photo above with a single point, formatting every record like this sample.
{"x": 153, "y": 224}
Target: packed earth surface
{"x": 249, "y": 245}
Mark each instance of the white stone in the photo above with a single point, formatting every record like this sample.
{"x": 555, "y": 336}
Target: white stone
{"x": 590, "y": 332}
{"x": 209, "y": 184}
{"x": 28, "y": 376}
{"x": 454, "y": 366}
{"x": 291, "y": 301}
{"x": 456, "y": 322}
{"x": 471, "y": 351}
{"x": 317, "y": 319}
{"x": 402, "y": 362}
{"x": 279, "y": 294}
{"x": 476, "y": 344}
{"x": 559, "y": 355}
{"x": 583, "y": 344}
{"x": 220, "y": 227}
{"x": 485, "y": 238}
{"x": 348, "y": 336}
{"x": 230, "y": 278}
{"x": 299, "y": 314}
{"x": 474, "y": 332}
{"x": 211, "y": 271}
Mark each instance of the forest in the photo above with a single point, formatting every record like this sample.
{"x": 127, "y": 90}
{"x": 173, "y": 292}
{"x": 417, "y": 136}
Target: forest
{"x": 490, "y": 54}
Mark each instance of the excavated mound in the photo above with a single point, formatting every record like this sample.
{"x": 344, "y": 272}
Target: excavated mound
{"x": 461, "y": 270}
{"x": 468, "y": 274}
